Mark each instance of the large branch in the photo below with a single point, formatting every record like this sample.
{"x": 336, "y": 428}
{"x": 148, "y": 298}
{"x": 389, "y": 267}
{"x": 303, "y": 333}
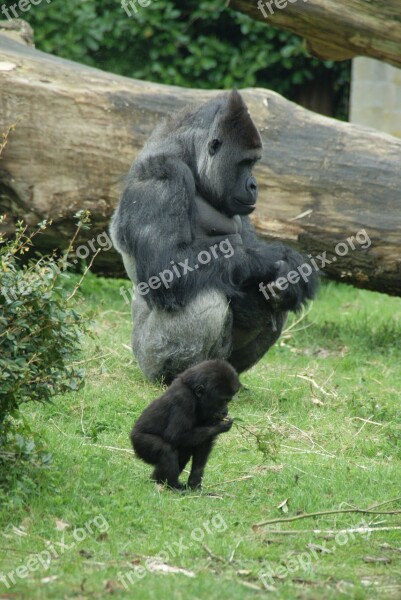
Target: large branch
{"x": 78, "y": 130}
{"x": 336, "y": 29}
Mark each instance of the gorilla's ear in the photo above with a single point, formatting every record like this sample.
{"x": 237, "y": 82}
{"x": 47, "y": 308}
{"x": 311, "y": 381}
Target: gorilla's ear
{"x": 199, "y": 391}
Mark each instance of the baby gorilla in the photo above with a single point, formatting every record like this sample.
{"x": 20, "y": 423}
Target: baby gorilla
{"x": 185, "y": 421}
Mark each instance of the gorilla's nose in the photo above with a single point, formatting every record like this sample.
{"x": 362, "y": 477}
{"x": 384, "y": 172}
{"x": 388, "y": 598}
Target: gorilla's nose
{"x": 251, "y": 186}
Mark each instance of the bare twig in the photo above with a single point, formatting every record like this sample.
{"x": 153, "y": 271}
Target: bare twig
{"x": 315, "y": 385}
{"x": 82, "y": 415}
{"x": 57, "y": 427}
{"x": 230, "y": 481}
{"x": 367, "y": 421}
{"x": 111, "y": 448}
{"x": 371, "y": 510}
{"x": 214, "y": 556}
{"x": 192, "y": 497}
{"x": 291, "y": 328}
{"x": 83, "y": 362}
{"x": 331, "y": 531}
{"x": 305, "y": 451}
{"x": 313, "y": 443}
{"x": 76, "y": 288}
{"x": 230, "y": 560}
{"x": 377, "y": 559}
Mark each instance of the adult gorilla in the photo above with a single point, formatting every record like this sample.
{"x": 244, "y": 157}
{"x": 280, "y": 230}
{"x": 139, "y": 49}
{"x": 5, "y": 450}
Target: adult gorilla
{"x": 187, "y": 198}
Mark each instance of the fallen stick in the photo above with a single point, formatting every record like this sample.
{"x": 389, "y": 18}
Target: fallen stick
{"x": 229, "y": 481}
{"x": 331, "y": 531}
{"x": 371, "y": 510}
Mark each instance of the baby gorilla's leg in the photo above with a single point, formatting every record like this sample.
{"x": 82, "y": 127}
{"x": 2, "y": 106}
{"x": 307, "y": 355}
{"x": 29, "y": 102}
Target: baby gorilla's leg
{"x": 184, "y": 454}
{"x": 167, "y": 469}
{"x": 200, "y": 454}
{"x": 155, "y": 451}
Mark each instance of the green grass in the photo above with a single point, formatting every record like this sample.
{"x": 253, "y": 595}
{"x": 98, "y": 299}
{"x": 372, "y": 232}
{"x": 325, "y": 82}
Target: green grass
{"x": 330, "y": 441}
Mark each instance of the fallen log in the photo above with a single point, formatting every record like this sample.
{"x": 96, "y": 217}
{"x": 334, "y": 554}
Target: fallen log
{"x": 78, "y": 129}
{"x": 336, "y": 29}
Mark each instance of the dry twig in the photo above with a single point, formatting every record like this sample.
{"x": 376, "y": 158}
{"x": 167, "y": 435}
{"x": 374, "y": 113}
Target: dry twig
{"x": 371, "y": 511}
{"x": 332, "y": 532}
{"x": 230, "y": 481}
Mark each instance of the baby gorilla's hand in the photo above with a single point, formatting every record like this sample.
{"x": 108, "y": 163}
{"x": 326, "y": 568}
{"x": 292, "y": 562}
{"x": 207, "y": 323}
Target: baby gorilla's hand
{"x": 219, "y": 416}
{"x": 225, "y": 425}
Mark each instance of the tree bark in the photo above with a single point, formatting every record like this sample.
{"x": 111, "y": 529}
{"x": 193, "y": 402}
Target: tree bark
{"x": 336, "y": 29}
{"x": 78, "y": 130}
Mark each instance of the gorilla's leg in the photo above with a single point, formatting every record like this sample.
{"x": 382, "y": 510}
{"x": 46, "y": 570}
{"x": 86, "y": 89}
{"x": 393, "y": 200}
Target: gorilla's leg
{"x": 148, "y": 447}
{"x": 246, "y": 356}
{"x": 166, "y": 343}
{"x": 256, "y": 327}
{"x": 153, "y": 450}
{"x": 167, "y": 469}
{"x": 200, "y": 454}
{"x": 184, "y": 454}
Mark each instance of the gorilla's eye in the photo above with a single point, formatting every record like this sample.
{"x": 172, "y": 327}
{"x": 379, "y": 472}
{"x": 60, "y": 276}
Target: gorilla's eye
{"x": 214, "y": 145}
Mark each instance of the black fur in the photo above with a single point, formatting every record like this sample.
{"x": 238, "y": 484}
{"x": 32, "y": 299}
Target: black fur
{"x": 185, "y": 421}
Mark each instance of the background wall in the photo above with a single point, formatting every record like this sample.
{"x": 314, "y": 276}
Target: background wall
{"x": 376, "y": 95}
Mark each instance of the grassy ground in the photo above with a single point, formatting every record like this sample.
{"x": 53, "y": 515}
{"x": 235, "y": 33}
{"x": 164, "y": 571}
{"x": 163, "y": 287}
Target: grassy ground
{"x": 320, "y": 429}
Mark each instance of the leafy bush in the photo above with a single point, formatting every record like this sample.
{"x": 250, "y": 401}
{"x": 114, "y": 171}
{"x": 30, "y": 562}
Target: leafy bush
{"x": 40, "y": 333}
{"x": 187, "y": 43}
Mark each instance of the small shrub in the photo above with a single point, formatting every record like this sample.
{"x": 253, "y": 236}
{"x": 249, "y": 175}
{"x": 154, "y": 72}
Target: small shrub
{"x": 40, "y": 333}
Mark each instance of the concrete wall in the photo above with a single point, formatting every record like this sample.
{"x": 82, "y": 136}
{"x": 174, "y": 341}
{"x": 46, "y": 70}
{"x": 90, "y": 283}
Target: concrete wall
{"x": 376, "y": 95}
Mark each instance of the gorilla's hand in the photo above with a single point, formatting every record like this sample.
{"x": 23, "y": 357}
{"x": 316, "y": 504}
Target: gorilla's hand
{"x": 225, "y": 425}
{"x": 294, "y": 282}
{"x": 219, "y": 416}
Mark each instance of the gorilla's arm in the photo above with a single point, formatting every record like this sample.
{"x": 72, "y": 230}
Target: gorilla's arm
{"x": 280, "y": 260}
{"x": 197, "y": 435}
{"x": 182, "y": 432}
{"x": 153, "y": 225}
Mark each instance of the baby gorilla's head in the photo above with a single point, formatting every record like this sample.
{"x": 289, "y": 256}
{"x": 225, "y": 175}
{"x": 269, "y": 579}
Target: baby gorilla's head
{"x": 213, "y": 383}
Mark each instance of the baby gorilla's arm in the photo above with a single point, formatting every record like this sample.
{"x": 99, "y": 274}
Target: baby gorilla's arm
{"x": 201, "y": 453}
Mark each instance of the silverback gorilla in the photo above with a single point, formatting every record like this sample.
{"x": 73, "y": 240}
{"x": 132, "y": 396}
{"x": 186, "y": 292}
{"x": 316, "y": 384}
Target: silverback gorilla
{"x": 183, "y": 230}
{"x": 185, "y": 421}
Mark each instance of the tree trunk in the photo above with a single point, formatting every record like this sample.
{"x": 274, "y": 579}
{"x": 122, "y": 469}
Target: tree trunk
{"x": 336, "y": 29}
{"x": 78, "y": 130}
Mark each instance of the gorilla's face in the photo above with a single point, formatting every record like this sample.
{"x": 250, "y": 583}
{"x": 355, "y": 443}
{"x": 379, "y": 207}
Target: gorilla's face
{"x": 213, "y": 383}
{"x": 230, "y": 149}
{"x": 230, "y": 175}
